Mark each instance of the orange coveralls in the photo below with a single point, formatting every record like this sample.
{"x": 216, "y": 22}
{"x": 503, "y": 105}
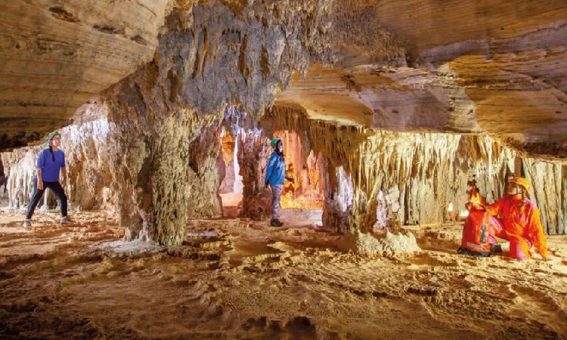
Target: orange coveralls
{"x": 521, "y": 222}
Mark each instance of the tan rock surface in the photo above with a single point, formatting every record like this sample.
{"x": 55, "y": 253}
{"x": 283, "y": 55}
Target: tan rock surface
{"x": 469, "y": 66}
{"x": 55, "y": 55}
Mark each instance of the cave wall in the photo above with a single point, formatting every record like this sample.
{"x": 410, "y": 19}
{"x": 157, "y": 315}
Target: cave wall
{"x": 369, "y": 177}
{"x": 56, "y": 54}
{"x": 209, "y": 55}
{"x": 207, "y": 58}
{"x": 416, "y": 175}
{"x": 19, "y": 169}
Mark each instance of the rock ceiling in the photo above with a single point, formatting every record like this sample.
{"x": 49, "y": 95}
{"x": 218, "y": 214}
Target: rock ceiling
{"x": 490, "y": 66}
{"x": 54, "y": 55}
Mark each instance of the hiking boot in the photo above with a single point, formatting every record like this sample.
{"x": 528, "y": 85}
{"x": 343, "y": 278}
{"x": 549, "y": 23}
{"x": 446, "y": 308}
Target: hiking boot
{"x": 495, "y": 248}
{"x": 27, "y": 223}
{"x": 65, "y": 220}
{"x": 276, "y": 223}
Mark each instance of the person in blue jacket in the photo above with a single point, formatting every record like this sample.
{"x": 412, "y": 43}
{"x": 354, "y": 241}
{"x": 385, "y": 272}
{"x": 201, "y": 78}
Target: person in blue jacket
{"x": 49, "y": 165}
{"x": 275, "y": 177}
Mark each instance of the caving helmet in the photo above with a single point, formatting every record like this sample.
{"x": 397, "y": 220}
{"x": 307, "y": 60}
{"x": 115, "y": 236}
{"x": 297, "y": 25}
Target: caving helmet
{"x": 51, "y": 136}
{"x": 275, "y": 141}
{"x": 523, "y": 182}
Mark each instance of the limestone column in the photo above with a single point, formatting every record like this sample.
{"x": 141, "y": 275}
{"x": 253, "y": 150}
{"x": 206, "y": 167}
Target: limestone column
{"x": 253, "y": 154}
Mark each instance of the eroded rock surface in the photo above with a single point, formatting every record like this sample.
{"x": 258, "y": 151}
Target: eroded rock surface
{"x": 207, "y": 58}
{"x": 376, "y": 98}
{"x": 415, "y": 175}
{"x": 55, "y": 55}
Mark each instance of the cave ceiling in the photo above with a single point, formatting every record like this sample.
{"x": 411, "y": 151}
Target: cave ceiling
{"x": 489, "y": 66}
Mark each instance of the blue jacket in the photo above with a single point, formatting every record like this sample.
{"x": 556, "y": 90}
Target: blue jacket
{"x": 275, "y": 173}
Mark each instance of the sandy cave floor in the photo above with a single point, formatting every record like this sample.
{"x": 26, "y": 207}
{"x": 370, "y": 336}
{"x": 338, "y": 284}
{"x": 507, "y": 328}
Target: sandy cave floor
{"x": 237, "y": 278}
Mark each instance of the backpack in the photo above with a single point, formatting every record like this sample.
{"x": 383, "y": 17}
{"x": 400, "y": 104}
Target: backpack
{"x": 478, "y": 234}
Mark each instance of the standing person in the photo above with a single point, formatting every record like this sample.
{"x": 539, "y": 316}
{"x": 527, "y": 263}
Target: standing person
{"x": 521, "y": 220}
{"x": 275, "y": 177}
{"x": 49, "y": 165}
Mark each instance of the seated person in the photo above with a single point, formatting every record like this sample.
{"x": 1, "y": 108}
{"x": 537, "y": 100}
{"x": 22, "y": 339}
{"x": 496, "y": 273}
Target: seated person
{"x": 480, "y": 228}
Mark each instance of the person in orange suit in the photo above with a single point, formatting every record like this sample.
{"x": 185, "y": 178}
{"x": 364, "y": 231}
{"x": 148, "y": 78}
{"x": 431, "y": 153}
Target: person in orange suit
{"x": 521, "y": 220}
{"x": 480, "y": 229}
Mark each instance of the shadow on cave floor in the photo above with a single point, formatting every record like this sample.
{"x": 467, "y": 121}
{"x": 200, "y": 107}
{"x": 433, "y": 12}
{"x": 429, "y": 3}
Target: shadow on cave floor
{"x": 241, "y": 278}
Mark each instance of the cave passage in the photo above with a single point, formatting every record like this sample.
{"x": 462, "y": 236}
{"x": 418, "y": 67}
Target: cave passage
{"x": 165, "y": 110}
{"x": 302, "y": 199}
{"x": 306, "y": 192}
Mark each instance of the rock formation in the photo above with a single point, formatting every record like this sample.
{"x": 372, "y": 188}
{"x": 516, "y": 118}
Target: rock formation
{"x": 207, "y": 58}
{"x": 417, "y": 175}
{"x": 402, "y": 102}
{"x": 55, "y": 55}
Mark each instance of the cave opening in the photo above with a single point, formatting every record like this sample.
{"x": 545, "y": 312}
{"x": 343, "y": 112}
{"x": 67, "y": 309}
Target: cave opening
{"x": 302, "y": 198}
{"x": 230, "y": 189}
{"x": 305, "y": 168}
{"x": 244, "y": 151}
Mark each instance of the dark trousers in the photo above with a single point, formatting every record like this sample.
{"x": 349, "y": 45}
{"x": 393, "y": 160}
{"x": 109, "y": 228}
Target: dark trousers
{"x": 37, "y": 194}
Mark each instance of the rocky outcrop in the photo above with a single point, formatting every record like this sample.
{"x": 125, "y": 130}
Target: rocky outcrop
{"x": 207, "y": 58}
{"x": 55, "y": 55}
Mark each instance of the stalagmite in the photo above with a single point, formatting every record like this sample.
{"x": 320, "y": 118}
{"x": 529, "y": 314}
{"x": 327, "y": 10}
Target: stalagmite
{"x": 253, "y": 156}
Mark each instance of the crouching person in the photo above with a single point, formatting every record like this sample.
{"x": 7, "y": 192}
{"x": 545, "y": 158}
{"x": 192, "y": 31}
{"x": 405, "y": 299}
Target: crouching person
{"x": 521, "y": 220}
{"x": 49, "y": 165}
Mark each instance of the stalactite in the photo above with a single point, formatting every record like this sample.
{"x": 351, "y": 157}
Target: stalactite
{"x": 419, "y": 174}
{"x": 21, "y": 171}
{"x": 305, "y": 167}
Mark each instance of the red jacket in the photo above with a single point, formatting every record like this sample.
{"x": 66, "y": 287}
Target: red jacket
{"x": 520, "y": 219}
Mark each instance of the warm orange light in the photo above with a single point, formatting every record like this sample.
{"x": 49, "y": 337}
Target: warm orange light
{"x": 300, "y": 202}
